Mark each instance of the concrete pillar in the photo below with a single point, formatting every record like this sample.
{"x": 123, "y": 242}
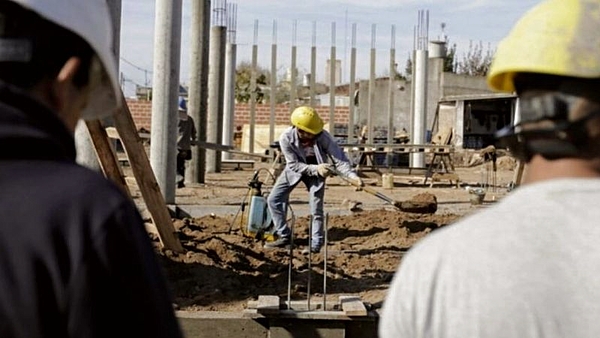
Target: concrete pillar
{"x": 216, "y": 74}
{"x": 419, "y": 120}
{"x": 332, "y": 79}
{"x": 198, "y": 90}
{"x": 229, "y": 104}
{"x": 460, "y": 124}
{"x": 352, "y": 118}
{"x": 371, "y": 98}
{"x": 165, "y": 92}
{"x": 273, "y": 80}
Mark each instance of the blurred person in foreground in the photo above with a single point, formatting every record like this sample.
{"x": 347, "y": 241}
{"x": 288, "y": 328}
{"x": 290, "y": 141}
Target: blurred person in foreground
{"x": 527, "y": 266}
{"x": 75, "y": 259}
{"x": 308, "y": 150}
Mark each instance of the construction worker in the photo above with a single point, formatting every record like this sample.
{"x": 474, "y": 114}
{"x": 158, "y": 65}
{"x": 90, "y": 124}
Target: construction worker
{"x": 308, "y": 150}
{"x": 185, "y": 140}
{"x": 75, "y": 258}
{"x": 527, "y": 266}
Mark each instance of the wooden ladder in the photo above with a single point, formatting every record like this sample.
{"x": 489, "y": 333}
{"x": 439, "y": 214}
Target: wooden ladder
{"x": 142, "y": 171}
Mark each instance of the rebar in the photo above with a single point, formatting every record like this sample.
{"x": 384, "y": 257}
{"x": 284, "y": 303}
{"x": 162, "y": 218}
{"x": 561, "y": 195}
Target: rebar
{"x": 325, "y": 261}
{"x": 310, "y": 220}
{"x": 290, "y": 263}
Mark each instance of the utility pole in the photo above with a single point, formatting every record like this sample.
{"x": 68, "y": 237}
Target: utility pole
{"x": 165, "y": 92}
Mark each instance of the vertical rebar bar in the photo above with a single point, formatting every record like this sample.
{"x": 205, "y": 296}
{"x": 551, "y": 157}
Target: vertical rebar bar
{"x": 325, "y": 261}
{"x": 310, "y": 220}
{"x": 290, "y": 263}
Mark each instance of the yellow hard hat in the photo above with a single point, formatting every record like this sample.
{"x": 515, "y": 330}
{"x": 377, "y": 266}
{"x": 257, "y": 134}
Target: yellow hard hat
{"x": 306, "y": 118}
{"x": 557, "y": 37}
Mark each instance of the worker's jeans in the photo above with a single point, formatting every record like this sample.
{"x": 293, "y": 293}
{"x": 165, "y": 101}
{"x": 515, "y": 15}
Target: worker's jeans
{"x": 278, "y": 204}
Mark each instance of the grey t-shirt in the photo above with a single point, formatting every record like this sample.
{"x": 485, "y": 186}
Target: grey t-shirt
{"x": 526, "y": 267}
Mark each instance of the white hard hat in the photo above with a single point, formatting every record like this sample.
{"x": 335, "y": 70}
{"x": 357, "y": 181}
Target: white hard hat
{"x": 91, "y": 21}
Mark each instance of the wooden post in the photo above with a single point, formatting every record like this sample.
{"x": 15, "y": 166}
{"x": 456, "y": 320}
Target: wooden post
{"x": 519, "y": 173}
{"x": 145, "y": 179}
{"x": 106, "y": 156}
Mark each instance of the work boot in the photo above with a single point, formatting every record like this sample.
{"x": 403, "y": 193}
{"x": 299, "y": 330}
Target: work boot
{"x": 281, "y": 242}
{"x": 315, "y": 249}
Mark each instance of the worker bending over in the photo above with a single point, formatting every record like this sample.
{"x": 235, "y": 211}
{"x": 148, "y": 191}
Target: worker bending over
{"x": 308, "y": 150}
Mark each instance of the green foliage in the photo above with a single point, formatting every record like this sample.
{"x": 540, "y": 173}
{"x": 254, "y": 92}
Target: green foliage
{"x": 243, "y": 80}
{"x": 449, "y": 59}
{"x": 476, "y": 62}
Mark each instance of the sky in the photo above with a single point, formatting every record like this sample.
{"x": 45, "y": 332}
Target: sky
{"x": 465, "y": 22}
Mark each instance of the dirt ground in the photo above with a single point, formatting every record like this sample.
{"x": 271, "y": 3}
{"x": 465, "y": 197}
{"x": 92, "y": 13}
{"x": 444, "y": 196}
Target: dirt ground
{"x": 222, "y": 270}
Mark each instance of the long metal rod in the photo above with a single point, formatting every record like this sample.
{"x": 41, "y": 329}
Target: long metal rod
{"x": 310, "y": 220}
{"x": 325, "y": 262}
{"x": 291, "y": 258}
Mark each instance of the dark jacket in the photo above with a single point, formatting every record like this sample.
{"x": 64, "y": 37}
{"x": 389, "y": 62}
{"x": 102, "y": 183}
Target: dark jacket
{"x": 75, "y": 259}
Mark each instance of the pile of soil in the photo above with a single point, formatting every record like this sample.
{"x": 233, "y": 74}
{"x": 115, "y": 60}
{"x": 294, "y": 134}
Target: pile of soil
{"x": 222, "y": 269}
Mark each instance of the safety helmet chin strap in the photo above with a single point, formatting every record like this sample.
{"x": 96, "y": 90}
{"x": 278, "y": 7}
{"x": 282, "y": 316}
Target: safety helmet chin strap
{"x": 562, "y": 139}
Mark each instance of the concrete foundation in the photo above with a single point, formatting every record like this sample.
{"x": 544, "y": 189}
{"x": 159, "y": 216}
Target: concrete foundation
{"x": 285, "y": 325}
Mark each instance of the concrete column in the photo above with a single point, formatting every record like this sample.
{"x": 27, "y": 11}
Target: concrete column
{"x": 460, "y": 124}
{"x": 371, "y": 98}
{"x": 352, "y": 118}
{"x": 229, "y": 94}
{"x": 419, "y": 119}
{"x": 332, "y": 83}
{"x": 165, "y": 91}
{"x": 391, "y": 90}
{"x": 216, "y": 74}
{"x": 198, "y": 90}
{"x": 273, "y": 80}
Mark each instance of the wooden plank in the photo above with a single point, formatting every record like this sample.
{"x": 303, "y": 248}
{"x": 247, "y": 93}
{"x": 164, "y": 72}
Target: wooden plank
{"x": 268, "y": 304}
{"x": 106, "y": 155}
{"x": 146, "y": 180}
{"x": 352, "y": 306}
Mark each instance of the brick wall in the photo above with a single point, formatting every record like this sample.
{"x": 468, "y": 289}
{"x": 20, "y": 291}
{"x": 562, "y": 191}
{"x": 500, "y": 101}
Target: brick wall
{"x": 141, "y": 111}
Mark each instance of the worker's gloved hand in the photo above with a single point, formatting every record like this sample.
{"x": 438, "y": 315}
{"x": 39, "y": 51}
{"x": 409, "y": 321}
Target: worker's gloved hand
{"x": 325, "y": 169}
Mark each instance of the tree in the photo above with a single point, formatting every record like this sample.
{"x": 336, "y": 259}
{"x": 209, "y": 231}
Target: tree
{"x": 449, "y": 58}
{"x": 476, "y": 62}
{"x": 243, "y": 75}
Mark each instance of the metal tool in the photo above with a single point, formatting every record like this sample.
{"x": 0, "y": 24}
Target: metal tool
{"x": 418, "y": 207}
